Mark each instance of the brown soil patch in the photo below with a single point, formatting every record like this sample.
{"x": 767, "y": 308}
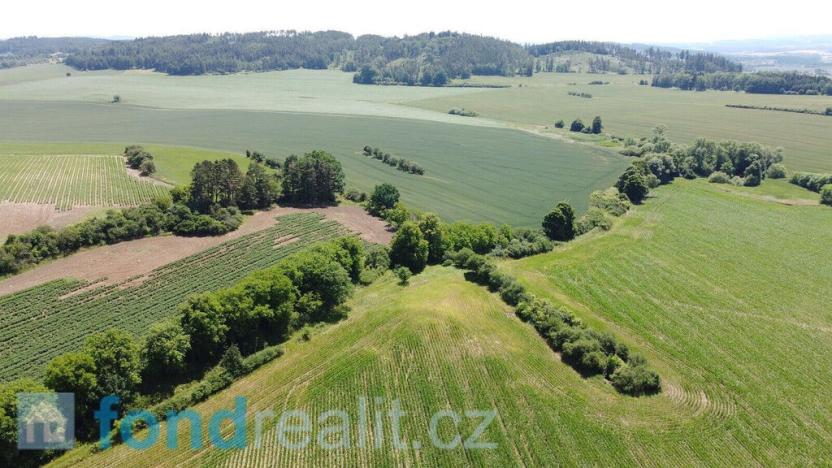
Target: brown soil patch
{"x": 137, "y": 174}
{"x": 17, "y": 218}
{"x": 132, "y": 259}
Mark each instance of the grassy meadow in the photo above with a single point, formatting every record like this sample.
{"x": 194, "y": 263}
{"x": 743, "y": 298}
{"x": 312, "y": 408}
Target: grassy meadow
{"x": 473, "y": 173}
{"x": 725, "y": 294}
{"x": 630, "y": 109}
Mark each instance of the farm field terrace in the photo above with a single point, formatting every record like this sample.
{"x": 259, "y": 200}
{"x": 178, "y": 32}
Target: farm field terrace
{"x": 41, "y": 322}
{"x": 694, "y": 279}
{"x": 630, "y": 109}
{"x": 472, "y": 173}
{"x": 67, "y": 180}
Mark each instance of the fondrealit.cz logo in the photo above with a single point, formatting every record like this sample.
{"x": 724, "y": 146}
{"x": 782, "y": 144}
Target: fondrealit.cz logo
{"x": 45, "y": 421}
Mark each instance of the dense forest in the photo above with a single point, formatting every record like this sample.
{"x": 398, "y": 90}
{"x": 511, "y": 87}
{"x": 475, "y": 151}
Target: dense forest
{"x": 26, "y": 50}
{"x": 409, "y": 59}
{"x": 429, "y": 59}
{"x": 759, "y": 83}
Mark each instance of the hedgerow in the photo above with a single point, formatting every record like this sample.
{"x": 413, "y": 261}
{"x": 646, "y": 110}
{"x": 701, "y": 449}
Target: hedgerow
{"x": 588, "y": 351}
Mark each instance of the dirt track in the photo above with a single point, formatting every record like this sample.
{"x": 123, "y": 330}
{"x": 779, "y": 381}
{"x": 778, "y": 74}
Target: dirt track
{"x": 127, "y": 259}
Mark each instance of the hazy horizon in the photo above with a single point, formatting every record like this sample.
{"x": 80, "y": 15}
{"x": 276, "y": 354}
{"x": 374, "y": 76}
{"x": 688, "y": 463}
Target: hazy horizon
{"x": 524, "y": 22}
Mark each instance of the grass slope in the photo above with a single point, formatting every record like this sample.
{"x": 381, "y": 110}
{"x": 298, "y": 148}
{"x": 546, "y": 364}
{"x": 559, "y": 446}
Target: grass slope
{"x": 71, "y": 180}
{"x": 474, "y": 173}
{"x": 630, "y": 109}
{"x": 729, "y": 296}
{"x": 726, "y": 294}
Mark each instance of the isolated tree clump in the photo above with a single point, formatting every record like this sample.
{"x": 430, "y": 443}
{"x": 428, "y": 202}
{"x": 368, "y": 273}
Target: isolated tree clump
{"x": 826, "y": 194}
{"x": 576, "y": 126}
{"x": 633, "y": 184}
{"x": 597, "y": 126}
{"x": 312, "y": 179}
{"x": 383, "y": 198}
{"x": 559, "y": 224}
{"x": 409, "y": 248}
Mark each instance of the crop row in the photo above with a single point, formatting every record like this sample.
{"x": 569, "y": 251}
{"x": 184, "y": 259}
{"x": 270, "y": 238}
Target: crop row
{"x": 40, "y": 323}
{"x": 70, "y": 180}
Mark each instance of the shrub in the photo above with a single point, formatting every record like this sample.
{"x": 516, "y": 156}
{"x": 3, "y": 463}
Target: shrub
{"x": 776, "y": 171}
{"x": 594, "y": 218}
{"x": 409, "y": 248}
{"x": 576, "y": 126}
{"x": 384, "y": 197}
{"x": 811, "y": 181}
{"x": 597, "y": 125}
{"x": 559, "y": 124}
{"x": 719, "y": 178}
{"x": 826, "y": 194}
{"x": 147, "y": 167}
{"x": 404, "y": 275}
{"x": 559, "y": 224}
{"x": 633, "y": 185}
{"x": 636, "y": 380}
{"x": 610, "y": 200}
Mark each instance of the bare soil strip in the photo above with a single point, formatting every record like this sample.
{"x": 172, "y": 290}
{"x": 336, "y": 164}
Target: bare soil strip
{"x": 127, "y": 260}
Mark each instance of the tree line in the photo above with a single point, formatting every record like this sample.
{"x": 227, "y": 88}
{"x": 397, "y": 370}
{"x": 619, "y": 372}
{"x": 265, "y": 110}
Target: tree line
{"x": 214, "y": 337}
{"x": 652, "y": 60}
{"x": 757, "y": 83}
{"x": 399, "y": 163}
{"x": 210, "y": 205}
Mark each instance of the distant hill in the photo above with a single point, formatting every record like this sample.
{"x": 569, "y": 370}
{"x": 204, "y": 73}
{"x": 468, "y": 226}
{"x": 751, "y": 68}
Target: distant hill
{"x": 425, "y": 59}
{"x": 25, "y": 50}
{"x": 601, "y": 57}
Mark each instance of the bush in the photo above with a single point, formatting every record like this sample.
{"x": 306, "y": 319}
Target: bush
{"x": 404, "y": 275}
{"x": 776, "y": 171}
{"x": 826, "y": 194}
{"x": 636, "y": 380}
{"x": 594, "y": 218}
{"x": 576, "y": 126}
{"x": 409, "y": 248}
{"x": 811, "y": 181}
{"x": 719, "y": 178}
{"x": 559, "y": 124}
{"x": 384, "y": 197}
{"x": 559, "y": 224}
{"x": 610, "y": 200}
{"x": 633, "y": 184}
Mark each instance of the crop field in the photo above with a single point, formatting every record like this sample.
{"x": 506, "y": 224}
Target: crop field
{"x": 71, "y": 180}
{"x": 744, "y": 358}
{"x": 472, "y": 173}
{"x": 729, "y": 296}
{"x": 42, "y": 322}
{"x": 173, "y": 163}
{"x": 315, "y": 91}
{"x": 630, "y": 109}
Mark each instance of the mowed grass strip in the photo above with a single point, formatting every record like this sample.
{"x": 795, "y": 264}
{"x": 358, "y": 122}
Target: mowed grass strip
{"x": 72, "y": 180}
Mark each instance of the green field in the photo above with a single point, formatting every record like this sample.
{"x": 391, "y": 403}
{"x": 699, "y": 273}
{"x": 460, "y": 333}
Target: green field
{"x": 473, "y": 173}
{"x": 727, "y": 295}
{"x": 173, "y": 163}
{"x": 68, "y": 180}
{"x": 42, "y": 322}
{"x": 630, "y": 109}
{"x": 315, "y": 91}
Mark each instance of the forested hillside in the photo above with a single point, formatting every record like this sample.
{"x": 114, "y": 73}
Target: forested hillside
{"x": 24, "y": 50}
{"x": 651, "y": 60}
{"x": 404, "y": 60}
